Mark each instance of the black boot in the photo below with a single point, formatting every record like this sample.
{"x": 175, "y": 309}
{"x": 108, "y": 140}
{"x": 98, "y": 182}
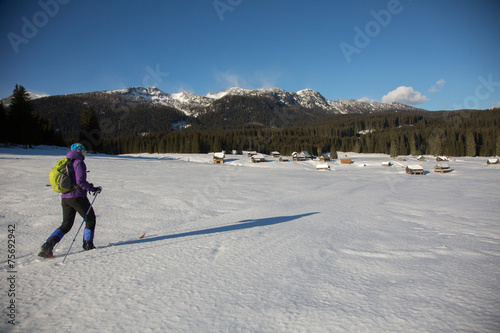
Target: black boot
{"x": 88, "y": 239}
{"x": 48, "y": 246}
{"x": 88, "y": 245}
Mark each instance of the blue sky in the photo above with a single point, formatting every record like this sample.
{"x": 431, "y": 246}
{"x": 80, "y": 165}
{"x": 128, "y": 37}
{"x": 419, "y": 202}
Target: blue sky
{"x": 437, "y": 55}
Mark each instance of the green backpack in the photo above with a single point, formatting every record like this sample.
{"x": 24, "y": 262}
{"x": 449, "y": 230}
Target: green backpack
{"x": 60, "y": 176}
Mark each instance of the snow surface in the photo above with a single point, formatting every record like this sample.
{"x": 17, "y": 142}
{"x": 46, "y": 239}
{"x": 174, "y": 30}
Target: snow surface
{"x": 256, "y": 247}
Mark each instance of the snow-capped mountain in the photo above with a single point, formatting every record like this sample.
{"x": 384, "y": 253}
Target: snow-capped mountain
{"x": 135, "y": 110}
{"x": 32, "y": 96}
{"x": 191, "y": 104}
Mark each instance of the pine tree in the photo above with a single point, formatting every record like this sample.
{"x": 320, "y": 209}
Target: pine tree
{"x": 3, "y": 124}
{"x": 498, "y": 145}
{"x": 413, "y": 145}
{"x": 471, "y": 144}
{"x": 394, "y": 151}
{"x": 436, "y": 143}
{"x": 20, "y": 118}
{"x": 333, "y": 153}
{"x": 91, "y": 135}
{"x": 195, "y": 143}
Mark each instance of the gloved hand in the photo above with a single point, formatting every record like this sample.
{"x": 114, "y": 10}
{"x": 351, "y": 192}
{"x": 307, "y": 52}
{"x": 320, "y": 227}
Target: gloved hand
{"x": 97, "y": 190}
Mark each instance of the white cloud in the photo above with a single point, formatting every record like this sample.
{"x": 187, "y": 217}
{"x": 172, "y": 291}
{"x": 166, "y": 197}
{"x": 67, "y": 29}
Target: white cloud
{"x": 266, "y": 80}
{"x": 230, "y": 80}
{"x": 437, "y": 86}
{"x": 441, "y": 82}
{"x": 405, "y": 95}
{"x": 259, "y": 79}
{"x": 495, "y": 105}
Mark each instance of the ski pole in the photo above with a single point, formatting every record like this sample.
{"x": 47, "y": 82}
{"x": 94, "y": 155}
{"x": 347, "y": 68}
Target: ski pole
{"x": 84, "y": 218}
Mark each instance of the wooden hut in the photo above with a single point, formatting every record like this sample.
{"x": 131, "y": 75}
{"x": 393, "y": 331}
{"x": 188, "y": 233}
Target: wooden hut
{"x": 322, "y": 167}
{"x": 386, "y": 164}
{"x": 421, "y": 158}
{"x": 251, "y": 153}
{"x": 415, "y": 170}
{"x": 492, "y": 161}
{"x": 275, "y": 154}
{"x": 441, "y": 159}
{"x": 442, "y": 168}
{"x": 258, "y": 158}
{"x": 324, "y": 158}
{"x": 283, "y": 159}
{"x": 219, "y": 158}
{"x": 298, "y": 156}
{"x": 345, "y": 161}
{"x": 307, "y": 155}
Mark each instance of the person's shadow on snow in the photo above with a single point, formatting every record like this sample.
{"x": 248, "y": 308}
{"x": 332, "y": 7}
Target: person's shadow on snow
{"x": 244, "y": 224}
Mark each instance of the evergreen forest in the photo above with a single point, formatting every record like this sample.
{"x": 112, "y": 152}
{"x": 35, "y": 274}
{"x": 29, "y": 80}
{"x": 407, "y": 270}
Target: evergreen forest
{"x": 452, "y": 133}
{"x": 154, "y": 129}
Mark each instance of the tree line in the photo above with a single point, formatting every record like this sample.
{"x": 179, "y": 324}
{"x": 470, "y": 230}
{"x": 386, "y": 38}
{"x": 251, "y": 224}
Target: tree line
{"x": 453, "y": 133}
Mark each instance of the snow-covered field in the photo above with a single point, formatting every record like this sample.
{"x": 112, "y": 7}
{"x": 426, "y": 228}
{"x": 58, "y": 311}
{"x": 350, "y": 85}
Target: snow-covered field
{"x": 242, "y": 247}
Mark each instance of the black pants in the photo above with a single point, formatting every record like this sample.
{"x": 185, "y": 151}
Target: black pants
{"x": 70, "y": 207}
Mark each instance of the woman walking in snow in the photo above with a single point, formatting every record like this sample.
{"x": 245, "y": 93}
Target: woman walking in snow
{"x": 75, "y": 201}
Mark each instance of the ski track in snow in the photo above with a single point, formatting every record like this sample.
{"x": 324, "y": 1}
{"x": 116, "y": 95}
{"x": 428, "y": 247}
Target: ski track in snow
{"x": 270, "y": 247}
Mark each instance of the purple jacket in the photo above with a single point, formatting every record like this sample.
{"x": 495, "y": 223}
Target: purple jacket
{"x": 79, "y": 176}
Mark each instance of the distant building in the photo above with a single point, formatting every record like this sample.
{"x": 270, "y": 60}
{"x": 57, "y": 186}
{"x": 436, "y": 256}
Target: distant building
{"x": 219, "y": 158}
{"x": 258, "y": 158}
{"x": 322, "y": 167}
{"x": 298, "y": 156}
{"x": 415, "y": 170}
{"x": 307, "y": 155}
{"x": 442, "y": 168}
{"x": 324, "y": 158}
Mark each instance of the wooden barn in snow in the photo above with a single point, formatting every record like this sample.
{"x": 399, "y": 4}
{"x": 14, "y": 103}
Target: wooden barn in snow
{"x": 324, "y": 158}
{"x": 298, "y": 156}
{"x": 492, "y": 161}
{"x": 345, "y": 161}
{"x": 415, "y": 170}
{"x": 322, "y": 167}
{"x": 442, "y": 168}
{"x": 258, "y": 158}
{"x": 219, "y": 158}
{"x": 307, "y": 155}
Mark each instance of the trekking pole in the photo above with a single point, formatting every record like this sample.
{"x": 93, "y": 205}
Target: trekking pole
{"x": 84, "y": 218}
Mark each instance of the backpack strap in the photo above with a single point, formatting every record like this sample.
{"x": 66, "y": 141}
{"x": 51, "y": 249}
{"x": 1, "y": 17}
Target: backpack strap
{"x": 71, "y": 173}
